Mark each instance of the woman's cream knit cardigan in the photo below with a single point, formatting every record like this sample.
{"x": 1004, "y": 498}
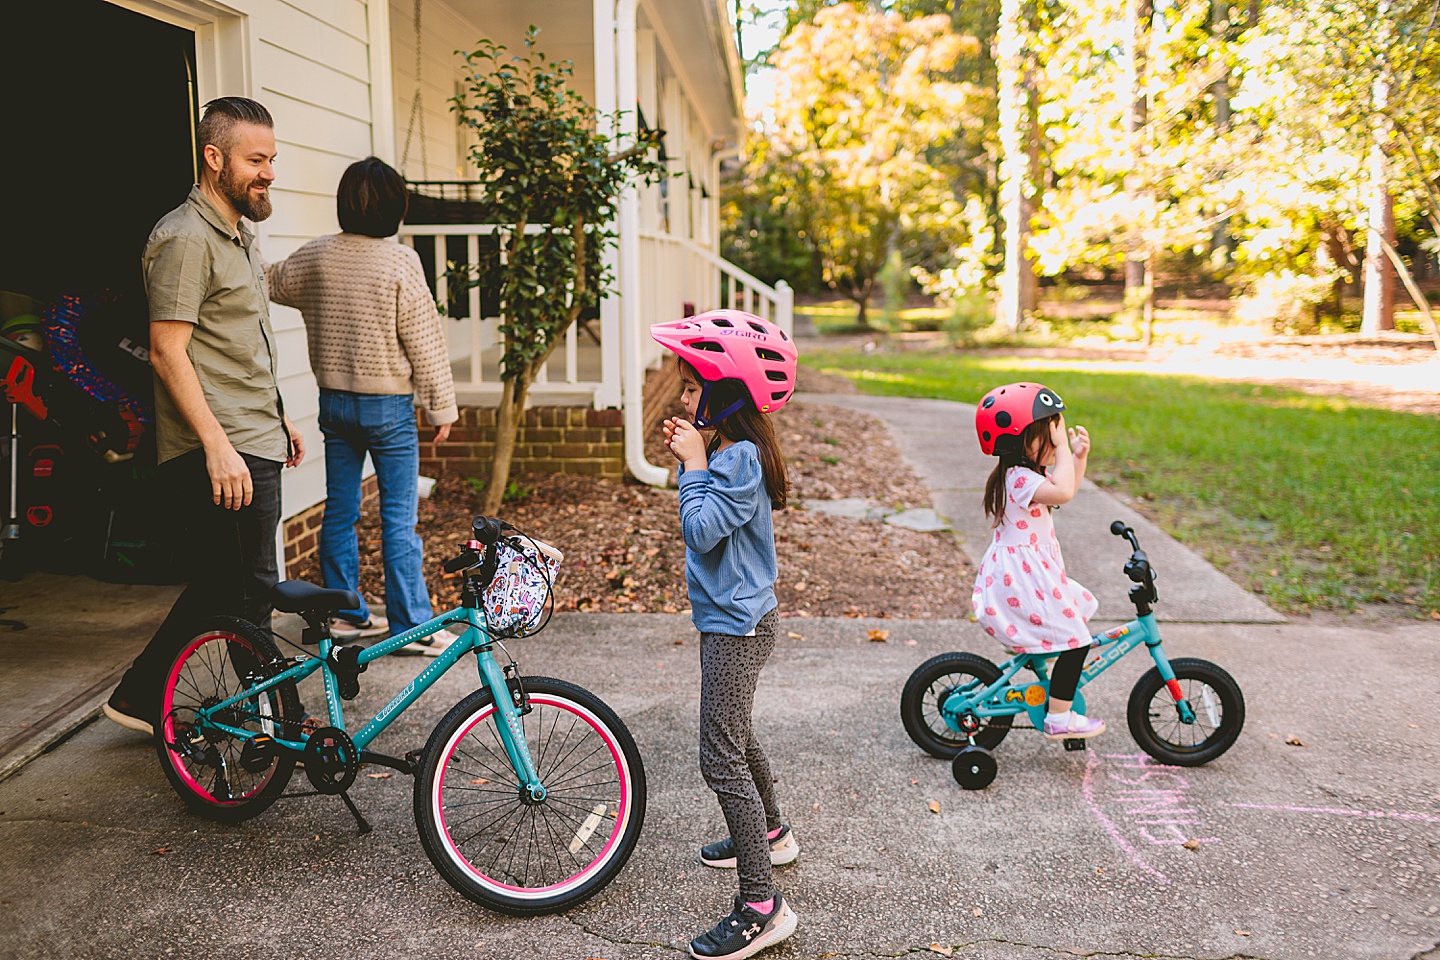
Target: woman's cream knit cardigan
{"x": 370, "y": 320}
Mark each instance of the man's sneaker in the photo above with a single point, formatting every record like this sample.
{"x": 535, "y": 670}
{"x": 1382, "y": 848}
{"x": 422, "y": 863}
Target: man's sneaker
{"x": 746, "y": 931}
{"x": 1074, "y": 726}
{"x": 431, "y": 646}
{"x": 376, "y": 626}
{"x": 127, "y": 715}
{"x": 721, "y": 854}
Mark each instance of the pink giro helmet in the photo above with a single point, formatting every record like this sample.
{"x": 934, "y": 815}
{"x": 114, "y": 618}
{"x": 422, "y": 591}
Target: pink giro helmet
{"x": 731, "y": 344}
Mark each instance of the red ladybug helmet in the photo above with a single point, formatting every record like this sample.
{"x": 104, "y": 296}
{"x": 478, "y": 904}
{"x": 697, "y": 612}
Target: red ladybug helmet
{"x": 1005, "y": 412}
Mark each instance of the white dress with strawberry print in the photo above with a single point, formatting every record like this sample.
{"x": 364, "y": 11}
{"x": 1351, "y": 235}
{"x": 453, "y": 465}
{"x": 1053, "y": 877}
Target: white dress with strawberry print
{"x": 1023, "y": 598}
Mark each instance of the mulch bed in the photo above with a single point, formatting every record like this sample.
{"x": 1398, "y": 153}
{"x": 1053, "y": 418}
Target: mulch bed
{"x": 623, "y": 552}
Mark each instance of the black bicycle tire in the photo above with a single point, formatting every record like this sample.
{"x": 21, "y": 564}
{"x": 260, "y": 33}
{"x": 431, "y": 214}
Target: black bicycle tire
{"x": 1187, "y": 668}
{"x": 912, "y": 705}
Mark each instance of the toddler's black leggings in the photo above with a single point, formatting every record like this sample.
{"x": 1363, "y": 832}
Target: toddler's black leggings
{"x": 1065, "y": 675}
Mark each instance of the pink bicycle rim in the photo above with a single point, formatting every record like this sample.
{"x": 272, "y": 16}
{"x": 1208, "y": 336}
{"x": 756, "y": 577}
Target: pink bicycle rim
{"x": 439, "y": 788}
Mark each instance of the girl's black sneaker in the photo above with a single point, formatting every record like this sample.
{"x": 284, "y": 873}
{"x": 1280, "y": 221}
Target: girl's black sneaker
{"x": 746, "y": 931}
{"x": 721, "y": 853}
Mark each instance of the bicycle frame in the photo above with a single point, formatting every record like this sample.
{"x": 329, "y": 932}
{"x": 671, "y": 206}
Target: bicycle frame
{"x": 1004, "y": 698}
{"x": 474, "y": 638}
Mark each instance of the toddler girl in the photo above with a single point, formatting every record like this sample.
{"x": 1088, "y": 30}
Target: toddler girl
{"x": 734, "y": 369}
{"x": 1023, "y": 597}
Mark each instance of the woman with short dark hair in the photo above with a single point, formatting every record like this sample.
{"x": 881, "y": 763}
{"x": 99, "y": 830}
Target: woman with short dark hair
{"x": 377, "y": 348}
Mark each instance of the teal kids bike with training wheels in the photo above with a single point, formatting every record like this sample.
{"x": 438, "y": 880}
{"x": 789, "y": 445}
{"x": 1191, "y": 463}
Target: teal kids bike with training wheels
{"x": 530, "y": 794}
{"x": 1184, "y": 712}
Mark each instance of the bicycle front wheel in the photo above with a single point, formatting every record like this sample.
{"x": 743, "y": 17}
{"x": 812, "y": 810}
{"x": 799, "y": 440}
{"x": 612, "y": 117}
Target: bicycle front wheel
{"x": 509, "y": 853}
{"x": 1213, "y": 695}
{"x": 223, "y": 776}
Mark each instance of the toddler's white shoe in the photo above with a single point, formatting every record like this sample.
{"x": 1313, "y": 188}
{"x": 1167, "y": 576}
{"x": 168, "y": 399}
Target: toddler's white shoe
{"x": 1072, "y": 726}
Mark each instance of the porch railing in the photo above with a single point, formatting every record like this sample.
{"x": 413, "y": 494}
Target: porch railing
{"x": 677, "y": 276}
{"x": 574, "y": 372}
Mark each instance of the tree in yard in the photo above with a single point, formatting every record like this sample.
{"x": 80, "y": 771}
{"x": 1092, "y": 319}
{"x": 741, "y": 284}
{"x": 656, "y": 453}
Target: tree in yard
{"x": 861, "y": 111}
{"x": 553, "y": 183}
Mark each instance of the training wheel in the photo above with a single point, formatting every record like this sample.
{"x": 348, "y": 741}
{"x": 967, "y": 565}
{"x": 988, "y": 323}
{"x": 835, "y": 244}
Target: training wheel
{"x": 974, "y": 768}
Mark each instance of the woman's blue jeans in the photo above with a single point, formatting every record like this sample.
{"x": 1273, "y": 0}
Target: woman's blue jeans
{"x": 382, "y": 425}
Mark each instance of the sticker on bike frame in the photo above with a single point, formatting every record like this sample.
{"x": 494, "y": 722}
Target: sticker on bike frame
{"x": 1035, "y": 695}
{"x": 1012, "y": 695}
{"x": 1117, "y": 633}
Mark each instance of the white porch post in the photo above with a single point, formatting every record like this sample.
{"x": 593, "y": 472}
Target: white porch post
{"x": 611, "y": 345}
{"x": 382, "y": 81}
{"x": 634, "y": 380}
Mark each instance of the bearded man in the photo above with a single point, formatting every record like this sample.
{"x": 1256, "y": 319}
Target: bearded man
{"x": 220, "y": 427}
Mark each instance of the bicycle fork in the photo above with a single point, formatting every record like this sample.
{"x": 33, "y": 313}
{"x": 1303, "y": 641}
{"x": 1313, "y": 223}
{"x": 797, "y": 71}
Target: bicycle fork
{"x": 511, "y": 704}
{"x": 1167, "y": 673}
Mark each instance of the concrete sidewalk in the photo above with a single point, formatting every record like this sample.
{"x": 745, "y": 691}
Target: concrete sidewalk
{"x": 937, "y": 438}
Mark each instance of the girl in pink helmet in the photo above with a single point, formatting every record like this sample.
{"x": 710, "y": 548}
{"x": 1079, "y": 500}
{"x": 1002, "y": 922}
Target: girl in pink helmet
{"x": 734, "y": 369}
{"x": 1023, "y": 597}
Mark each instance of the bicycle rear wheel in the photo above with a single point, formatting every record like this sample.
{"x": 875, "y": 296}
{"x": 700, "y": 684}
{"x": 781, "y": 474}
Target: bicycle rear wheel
{"x": 926, "y": 691}
{"x": 518, "y": 856}
{"x": 222, "y": 776}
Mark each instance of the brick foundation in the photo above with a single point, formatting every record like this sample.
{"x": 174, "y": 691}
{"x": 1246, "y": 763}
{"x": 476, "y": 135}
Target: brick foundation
{"x": 550, "y": 440}
{"x": 302, "y": 531}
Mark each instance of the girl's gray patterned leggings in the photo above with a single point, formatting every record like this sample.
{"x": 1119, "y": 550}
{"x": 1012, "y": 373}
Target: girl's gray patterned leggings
{"x": 731, "y": 760}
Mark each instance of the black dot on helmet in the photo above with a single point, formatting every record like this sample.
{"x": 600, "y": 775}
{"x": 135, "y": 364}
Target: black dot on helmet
{"x": 988, "y": 403}
{"x": 1002, "y": 419}
{"x": 985, "y": 435}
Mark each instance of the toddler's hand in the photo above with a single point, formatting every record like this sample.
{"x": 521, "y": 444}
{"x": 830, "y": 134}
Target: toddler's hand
{"x": 1079, "y": 441}
{"x": 686, "y": 443}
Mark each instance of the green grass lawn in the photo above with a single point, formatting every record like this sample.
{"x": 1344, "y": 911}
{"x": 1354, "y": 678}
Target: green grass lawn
{"x": 1316, "y": 502}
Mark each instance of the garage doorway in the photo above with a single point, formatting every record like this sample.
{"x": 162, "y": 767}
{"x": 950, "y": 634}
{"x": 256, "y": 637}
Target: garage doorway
{"x": 98, "y": 116}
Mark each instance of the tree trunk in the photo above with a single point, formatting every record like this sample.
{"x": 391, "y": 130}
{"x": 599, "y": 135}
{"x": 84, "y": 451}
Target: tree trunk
{"x": 1138, "y": 14}
{"x": 1222, "y": 245}
{"x": 862, "y": 317}
{"x": 1018, "y": 142}
{"x": 1378, "y": 312}
{"x": 1379, "y": 304}
{"x": 507, "y": 428}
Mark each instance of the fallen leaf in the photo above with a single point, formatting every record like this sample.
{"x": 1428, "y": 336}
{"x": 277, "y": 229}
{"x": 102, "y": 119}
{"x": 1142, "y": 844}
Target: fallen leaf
{"x": 1293, "y": 741}
{"x": 1099, "y": 871}
{"x": 679, "y": 643}
{"x": 380, "y": 776}
{"x": 876, "y": 635}
{"x": 943, "y": 950}
{"x": 978, "y": 912}
{"x": 914, "y": 782}
{"x": 161, "y": 851}
{"x": 1242, "y": 933}
{"x": 911, "y": 643}
{"x": 1435, "y": 614}
{"x": 934, "y": 806}
{"x": 479, "y": 781}
{"x": 1191, "y": 844}
{"x": 795, "y": 636}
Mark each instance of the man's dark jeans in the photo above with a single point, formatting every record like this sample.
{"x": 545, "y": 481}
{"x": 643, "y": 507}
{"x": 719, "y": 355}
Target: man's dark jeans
{"x": 231, "y": 558}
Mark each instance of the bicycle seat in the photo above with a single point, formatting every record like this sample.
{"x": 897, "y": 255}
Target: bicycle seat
{"x": 298, "y": 596}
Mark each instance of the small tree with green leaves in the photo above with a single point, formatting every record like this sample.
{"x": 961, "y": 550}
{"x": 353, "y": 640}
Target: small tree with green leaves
{"x": 553, "y": 182}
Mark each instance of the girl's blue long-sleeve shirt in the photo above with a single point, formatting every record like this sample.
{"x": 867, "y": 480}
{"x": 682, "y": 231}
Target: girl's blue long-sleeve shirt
{"x": 729, "y": 541}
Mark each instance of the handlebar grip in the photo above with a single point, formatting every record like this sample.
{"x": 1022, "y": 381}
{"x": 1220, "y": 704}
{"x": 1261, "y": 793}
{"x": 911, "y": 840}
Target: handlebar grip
{"x": 1118, "y": 528}
{"x": 467, "y": 559}
{"x": 488, "y": 530}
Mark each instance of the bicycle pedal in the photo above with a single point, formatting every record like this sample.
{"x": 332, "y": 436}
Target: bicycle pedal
{"x": 1074, "y": 743}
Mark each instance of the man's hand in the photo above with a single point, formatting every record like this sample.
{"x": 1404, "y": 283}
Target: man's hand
{"x": 297, "y": 445}
{"x": 442, "y": 433}
{"x": 685, "y": 443}
{"x": 230, "y": 484}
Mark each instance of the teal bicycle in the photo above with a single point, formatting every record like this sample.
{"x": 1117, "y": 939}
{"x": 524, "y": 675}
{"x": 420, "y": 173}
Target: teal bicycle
{"x": 530, "y": 793}
{"x": 1184, "y": 712}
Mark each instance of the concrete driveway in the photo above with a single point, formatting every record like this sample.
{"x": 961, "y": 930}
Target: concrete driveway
{"x": 1329, "y": 850}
